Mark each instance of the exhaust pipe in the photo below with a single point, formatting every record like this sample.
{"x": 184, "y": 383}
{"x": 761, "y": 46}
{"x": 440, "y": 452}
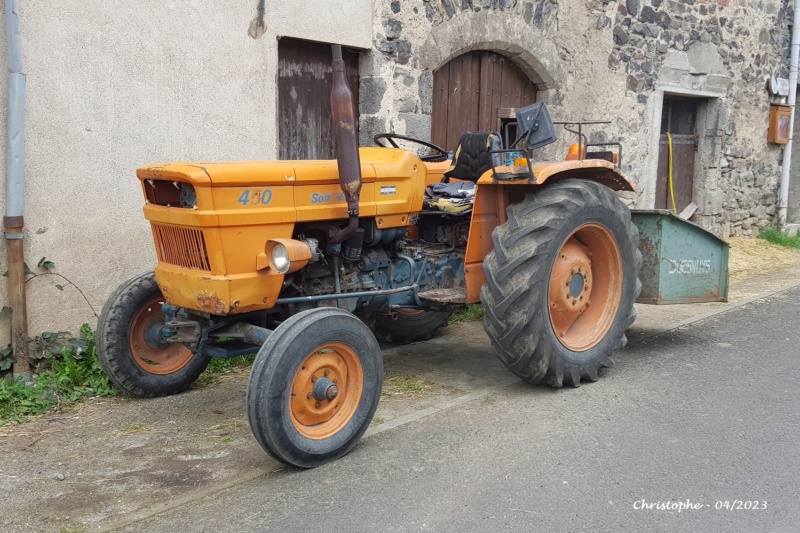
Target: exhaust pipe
{"x": 349, "y": 162}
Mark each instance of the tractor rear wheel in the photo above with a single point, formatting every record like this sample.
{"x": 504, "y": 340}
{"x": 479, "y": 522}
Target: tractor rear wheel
{"x": 314, "y": 387}
{"x": 409, "y": 325}
{"x": 131, "y": 355}
{"x": 561, "y": 283}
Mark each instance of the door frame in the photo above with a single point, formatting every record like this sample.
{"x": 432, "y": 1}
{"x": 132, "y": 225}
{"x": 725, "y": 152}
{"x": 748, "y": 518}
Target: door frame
{"x": 679, "y": 141}
{"x": 708, "y": 144}
{"x": 325, "y": 146}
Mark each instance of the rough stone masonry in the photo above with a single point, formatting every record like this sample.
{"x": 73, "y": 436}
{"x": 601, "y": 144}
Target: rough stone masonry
{"x": 607, "y": 59}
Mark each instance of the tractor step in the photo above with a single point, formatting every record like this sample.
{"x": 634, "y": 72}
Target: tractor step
{"x": 456, "y": 295}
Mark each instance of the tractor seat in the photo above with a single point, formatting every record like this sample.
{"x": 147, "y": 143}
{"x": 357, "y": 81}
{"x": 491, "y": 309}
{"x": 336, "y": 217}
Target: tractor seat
{"x": 473, "y": 157}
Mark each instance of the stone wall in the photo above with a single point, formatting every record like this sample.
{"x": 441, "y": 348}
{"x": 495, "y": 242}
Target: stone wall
{"x": 730, "y": 49}
{"x": 397, "y": 76}
{"x": 615, "y": 60}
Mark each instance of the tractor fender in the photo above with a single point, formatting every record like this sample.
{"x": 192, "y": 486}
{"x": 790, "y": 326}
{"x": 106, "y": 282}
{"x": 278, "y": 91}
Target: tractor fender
{"x": 493, "y": 196}
{"x": 597, "y": 170}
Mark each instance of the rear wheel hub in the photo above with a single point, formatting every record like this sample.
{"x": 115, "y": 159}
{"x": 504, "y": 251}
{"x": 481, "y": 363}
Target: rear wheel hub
{"x": 585, "y": 287}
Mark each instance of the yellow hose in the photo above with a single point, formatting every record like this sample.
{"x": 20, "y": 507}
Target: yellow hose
{"x": 671, "y": 188}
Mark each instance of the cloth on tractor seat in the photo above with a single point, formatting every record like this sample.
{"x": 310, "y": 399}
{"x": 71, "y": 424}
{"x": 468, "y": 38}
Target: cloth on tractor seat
{"x": 456, "y": 197}
{"x": 472, "y": 157}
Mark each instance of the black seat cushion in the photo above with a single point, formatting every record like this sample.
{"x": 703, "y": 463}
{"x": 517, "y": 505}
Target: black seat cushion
{"x": 472, "y": 157}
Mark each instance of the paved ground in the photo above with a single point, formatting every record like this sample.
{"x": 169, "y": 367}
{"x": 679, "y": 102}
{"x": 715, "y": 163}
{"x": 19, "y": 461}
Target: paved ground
{"x": 704, "y": 413}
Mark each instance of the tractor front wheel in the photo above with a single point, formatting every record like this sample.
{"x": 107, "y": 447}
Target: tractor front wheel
{"x": 561, "y": 283}
{"x": 129, "y": 351}
{"x": 314, "y": 387}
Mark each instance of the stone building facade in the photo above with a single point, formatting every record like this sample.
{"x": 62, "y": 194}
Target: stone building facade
{"x": 614, "y": 60}
{"x": 113, "y": 86}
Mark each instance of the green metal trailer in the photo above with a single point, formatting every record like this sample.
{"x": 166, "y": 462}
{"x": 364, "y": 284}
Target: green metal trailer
{"x": 682, "y": 262}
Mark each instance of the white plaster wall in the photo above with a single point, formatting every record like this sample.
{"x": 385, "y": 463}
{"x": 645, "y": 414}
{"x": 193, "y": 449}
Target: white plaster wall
{"x": 346, "y": 22}
{"x": 113, "y": 85}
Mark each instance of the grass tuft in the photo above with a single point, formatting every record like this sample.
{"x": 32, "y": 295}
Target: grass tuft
{"x": 136, "y": 427}
{"x": 776, "y": 236}
{"x": 404, "y": 385}
{"x": 469, "y": 313}
{"x": 220, "y": 365}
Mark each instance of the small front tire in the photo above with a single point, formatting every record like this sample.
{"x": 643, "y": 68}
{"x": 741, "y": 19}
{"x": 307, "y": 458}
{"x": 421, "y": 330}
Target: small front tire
{"x": 134, "y": 362}
{"x": 314, "y": 387}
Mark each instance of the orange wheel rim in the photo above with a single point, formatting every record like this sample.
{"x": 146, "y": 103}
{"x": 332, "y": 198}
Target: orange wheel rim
{"x": 585, "y": 287}
{"x": 155, "y": 359}
{"x": 326, "y": 391}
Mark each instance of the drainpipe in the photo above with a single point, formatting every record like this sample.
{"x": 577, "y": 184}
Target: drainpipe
{"x": 15, "y": 194}
{"x": 787, "y": 150}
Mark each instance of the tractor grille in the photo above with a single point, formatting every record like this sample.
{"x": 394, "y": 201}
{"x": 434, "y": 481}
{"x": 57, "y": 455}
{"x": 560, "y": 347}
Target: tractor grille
{"x": 183, "y": 247}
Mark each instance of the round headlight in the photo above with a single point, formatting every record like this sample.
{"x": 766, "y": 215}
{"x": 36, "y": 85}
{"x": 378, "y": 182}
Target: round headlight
{"x": 280, "y": 259}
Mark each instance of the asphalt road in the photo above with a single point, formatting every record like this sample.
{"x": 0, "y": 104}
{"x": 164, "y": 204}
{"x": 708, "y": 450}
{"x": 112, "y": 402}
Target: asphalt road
{"x": 705, "y": 415}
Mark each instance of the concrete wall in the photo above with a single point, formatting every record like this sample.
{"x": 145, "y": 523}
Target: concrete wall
{"x": 113, "y": 85}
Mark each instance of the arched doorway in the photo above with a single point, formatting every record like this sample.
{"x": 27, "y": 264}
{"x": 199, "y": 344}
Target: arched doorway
{"x": 477, "y": 91}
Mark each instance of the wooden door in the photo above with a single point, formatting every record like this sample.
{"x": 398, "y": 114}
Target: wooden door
{"x": 305, "y": 78}
{"x": 679, "y": 118}
{"x": 476, "y": 91}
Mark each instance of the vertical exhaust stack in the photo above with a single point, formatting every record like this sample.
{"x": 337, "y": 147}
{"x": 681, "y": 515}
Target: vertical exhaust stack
{"x": 344, "y": 125}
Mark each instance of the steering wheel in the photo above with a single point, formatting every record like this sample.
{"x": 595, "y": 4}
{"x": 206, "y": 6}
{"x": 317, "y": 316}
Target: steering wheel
{"x": 440, "y": 154}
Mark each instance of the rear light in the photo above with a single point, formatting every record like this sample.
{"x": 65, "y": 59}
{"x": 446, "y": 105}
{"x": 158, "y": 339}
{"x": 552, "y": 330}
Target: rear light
{"x": 576, "y": 152}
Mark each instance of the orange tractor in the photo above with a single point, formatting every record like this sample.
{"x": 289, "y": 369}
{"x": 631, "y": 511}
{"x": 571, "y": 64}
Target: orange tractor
{"x": 306, "y": 262}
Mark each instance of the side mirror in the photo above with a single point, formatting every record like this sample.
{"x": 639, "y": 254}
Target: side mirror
{"x": 535, "y": 126}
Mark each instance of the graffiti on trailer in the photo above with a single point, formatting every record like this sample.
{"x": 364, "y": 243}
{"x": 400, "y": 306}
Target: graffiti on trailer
{"x": 689, "y": 266}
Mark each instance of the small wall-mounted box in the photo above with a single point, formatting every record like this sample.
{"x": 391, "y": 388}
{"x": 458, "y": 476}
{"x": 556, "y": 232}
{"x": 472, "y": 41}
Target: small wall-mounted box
{"x": 780, "y": 123}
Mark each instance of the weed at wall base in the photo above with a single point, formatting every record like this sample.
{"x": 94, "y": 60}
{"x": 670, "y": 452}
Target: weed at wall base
{"x": 776, "y": 236}
{"x": 74, "y": 374}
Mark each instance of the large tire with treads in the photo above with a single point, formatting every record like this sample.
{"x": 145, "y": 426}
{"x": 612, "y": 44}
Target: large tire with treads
{"x": 561, "y": 283}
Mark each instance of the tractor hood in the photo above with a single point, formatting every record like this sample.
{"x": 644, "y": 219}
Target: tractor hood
{"x": 250, "y": 173}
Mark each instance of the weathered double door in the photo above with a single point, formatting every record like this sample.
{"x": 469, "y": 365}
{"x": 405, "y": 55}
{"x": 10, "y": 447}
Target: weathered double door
{"x": 477, "y": 91}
